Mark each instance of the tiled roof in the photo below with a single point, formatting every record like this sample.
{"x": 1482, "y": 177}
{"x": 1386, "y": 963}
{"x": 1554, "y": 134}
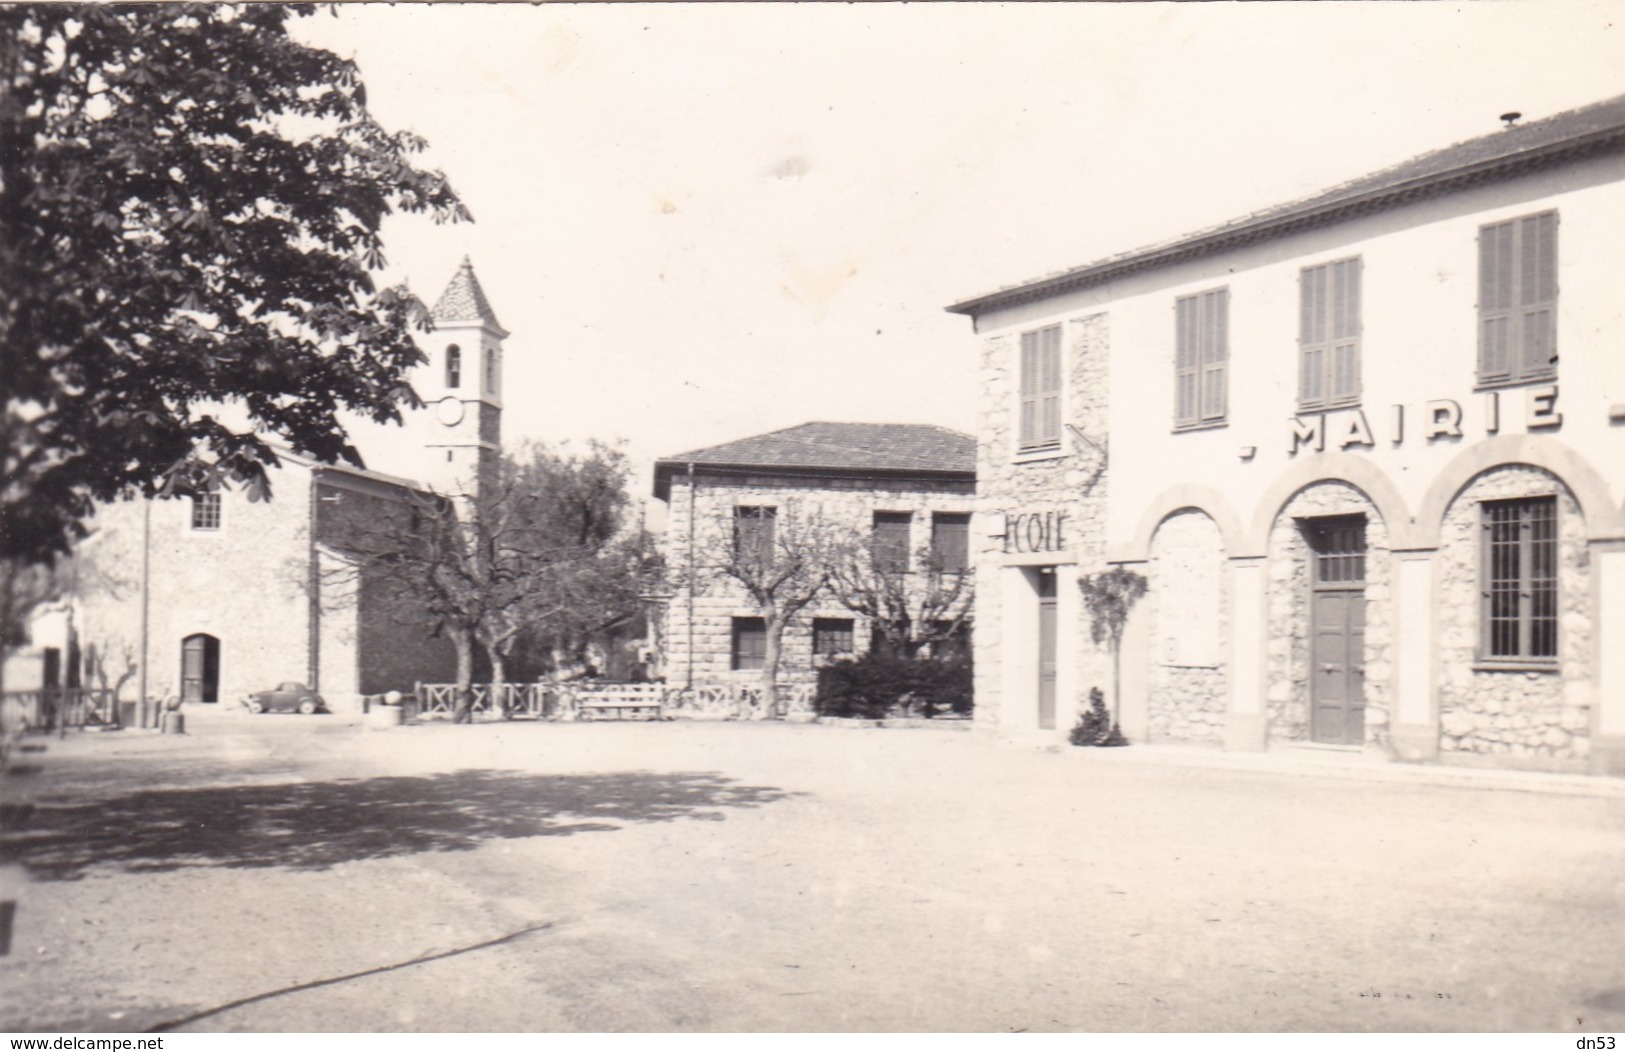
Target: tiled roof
{"x": 464, "y": 300}
{"x": 1511, "y": 151}
{"x": 837, "y": 447}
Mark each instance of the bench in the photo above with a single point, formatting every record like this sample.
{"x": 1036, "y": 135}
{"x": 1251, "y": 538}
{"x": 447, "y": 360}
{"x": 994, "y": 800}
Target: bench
{"x": 632, "y": 702}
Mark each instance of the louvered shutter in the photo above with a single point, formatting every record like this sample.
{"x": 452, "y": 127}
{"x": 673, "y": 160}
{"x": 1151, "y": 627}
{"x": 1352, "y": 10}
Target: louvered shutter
{"x": 1050, "y": 392}
{"x": 1494, "y": 302}
{"x": 1537, "y": 299}
{"x": 1215, "y": 352}
{"x": 1312, "y": 338}
{"x": 1186, "y": 361}
{"x": 889, "y": 544}
{"x": 1029, "y": 390}
{"x": 1345, "y": 373}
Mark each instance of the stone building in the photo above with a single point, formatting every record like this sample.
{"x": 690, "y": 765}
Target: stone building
{"x": 909, "y": 487}
{"x": 213, "y": 597}
{"x": 1365, "y": 447}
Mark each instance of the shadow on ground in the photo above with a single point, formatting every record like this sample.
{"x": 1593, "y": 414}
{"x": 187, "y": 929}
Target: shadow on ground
{"x": 314, "y": 825}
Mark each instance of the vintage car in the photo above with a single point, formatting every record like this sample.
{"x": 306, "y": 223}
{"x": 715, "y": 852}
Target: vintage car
{"x": 287, "y": 697}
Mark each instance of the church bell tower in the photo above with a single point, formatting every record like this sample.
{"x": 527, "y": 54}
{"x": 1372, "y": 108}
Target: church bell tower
{"x": 461, "y": 387}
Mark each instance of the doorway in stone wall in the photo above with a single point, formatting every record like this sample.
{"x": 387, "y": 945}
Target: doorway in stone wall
{"x": 1337, "y": 629}
{"x": 200, "y": 668}
{"x": 1047, "y": 646}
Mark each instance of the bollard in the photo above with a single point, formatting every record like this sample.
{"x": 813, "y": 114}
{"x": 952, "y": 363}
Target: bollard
{"x": 174, "y": 723}
{"x": 8, "y": 915}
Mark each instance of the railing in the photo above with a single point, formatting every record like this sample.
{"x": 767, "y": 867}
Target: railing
{"x": 523, "y": 700}
{"x": 568, "y": 701}
{"x": 739, "y": 701}
{"x": 58, "y": 708}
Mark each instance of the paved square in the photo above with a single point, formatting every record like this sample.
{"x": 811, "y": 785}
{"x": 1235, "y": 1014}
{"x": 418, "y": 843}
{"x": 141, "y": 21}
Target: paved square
{"x": 721, "y": 877}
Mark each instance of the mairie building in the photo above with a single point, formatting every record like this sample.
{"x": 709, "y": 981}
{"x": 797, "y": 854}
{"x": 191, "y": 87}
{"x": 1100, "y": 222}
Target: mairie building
{"x": 1367, "y": 449}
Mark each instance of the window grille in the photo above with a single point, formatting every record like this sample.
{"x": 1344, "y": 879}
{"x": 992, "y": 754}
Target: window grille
{"x": 206, "y": 511}
{"x": 832, "y": 636}
{"x": 1520, "y": 579}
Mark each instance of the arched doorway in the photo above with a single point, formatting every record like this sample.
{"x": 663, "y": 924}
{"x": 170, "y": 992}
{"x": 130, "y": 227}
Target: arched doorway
{"x": 200, "y": 668}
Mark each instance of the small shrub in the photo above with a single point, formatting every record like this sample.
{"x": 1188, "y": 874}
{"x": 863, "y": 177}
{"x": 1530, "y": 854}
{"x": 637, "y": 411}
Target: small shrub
{"x": 1095, "y": 725}
{"x": 876, "y": 686}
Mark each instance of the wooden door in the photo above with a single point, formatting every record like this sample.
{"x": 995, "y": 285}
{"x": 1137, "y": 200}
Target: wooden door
{"x": 200, "y": 669}
{"x": 1337, "y": 632}
{"x": 1046, "y": 648}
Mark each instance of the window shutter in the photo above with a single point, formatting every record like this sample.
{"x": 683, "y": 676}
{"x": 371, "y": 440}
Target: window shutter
{"x": 950, "y": 543}
{"x": 1312, "y": 337}
{"x": 1051, "y": 392}
{"x": 1029, "y": 389}
{"x": 1494, "y": 302}
{"x": 1537, "y": 279}
{"x": 889, "y": 541}
{"x": 1215, "y": 352}
{"x": 1345, "y": 379}
{"x": 1186, "y": 359}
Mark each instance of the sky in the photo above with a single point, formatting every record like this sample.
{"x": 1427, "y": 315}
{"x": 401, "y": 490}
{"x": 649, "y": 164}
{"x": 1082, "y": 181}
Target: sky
{"x": 701, "y": 222}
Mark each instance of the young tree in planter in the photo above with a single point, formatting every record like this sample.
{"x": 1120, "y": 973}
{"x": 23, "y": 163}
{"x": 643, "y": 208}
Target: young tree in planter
{"x": 782, "y": 557}
{"x": 190, "y": 212}
{"x": 1109, "y": 596}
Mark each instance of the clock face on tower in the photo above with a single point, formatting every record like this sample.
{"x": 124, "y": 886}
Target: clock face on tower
{"x": 450, "y": 410}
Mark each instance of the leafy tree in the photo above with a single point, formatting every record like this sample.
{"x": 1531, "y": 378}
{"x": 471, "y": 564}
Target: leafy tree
{"x": 1109, "y": 596}
{"x": 543, "y": 553}
{"x": 190, "y": 206}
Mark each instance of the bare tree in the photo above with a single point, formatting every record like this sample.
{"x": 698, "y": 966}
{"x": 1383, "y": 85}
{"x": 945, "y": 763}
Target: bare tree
{"x": 914, "y": 604}
{"x": 783, "y": 557}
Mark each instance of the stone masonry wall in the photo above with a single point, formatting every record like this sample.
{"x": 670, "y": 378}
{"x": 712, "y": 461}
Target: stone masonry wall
{"x": 1074, "y": 481}
{"x": 1188, "y": 610}
{"x": 717, "y": 599}
{"x": 1288, "y": 665}
{"x": 1534, "y": 719}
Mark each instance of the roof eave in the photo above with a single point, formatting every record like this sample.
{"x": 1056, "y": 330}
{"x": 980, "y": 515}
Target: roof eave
{"x": 666, "y": 469}
{"x": 1312, "y": 215}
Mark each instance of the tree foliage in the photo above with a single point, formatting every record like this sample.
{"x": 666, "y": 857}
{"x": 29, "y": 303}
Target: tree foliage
{"x": 190, "y": 206}
{"x": 544, "y": 554}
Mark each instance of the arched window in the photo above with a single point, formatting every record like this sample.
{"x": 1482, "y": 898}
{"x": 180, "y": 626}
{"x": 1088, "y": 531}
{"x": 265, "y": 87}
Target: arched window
{"x": 454, "y": 366}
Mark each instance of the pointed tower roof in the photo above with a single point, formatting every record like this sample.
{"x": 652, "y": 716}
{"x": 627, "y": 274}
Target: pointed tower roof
{"x": 464, "y": 300}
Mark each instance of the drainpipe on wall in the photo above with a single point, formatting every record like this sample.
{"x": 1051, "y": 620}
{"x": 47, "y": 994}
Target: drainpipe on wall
{"x": 146, "y": 592}
{"x": 693, "y": 510}
{"x": 313, "y": 646}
